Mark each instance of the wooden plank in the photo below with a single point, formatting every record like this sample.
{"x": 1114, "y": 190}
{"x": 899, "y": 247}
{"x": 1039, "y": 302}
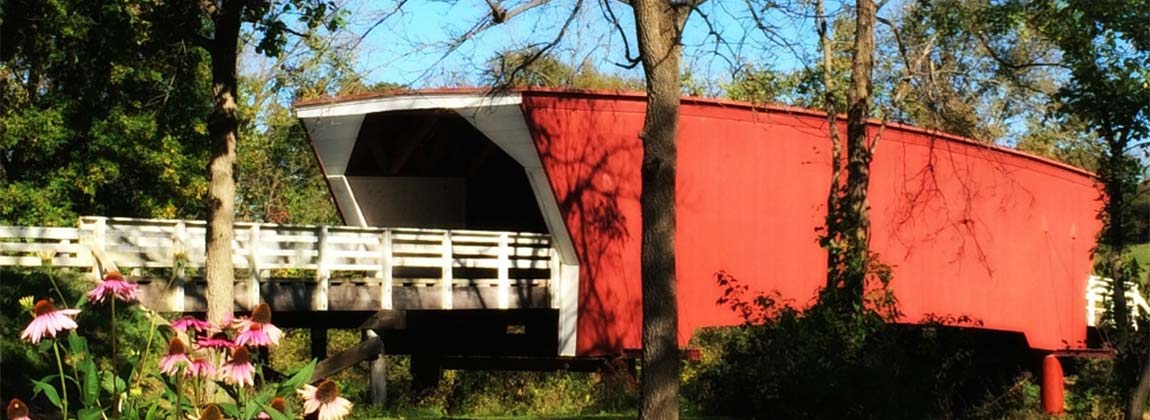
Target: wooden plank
{"x": 386, "y": 320}
{"x": 40, "y": 233}
{"x": 352, "y": 267}
{"x": 336, "y": 363}
{"x": 36, "y": 247}
{"x": 358, "y": 254}
{"x": 355, "y": 239}
{"x": 27, "y": 261}
{"x": 520, "y": 264}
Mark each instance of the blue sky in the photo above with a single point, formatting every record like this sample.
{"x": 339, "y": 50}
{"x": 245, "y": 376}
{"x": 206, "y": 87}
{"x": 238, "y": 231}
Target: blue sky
{"x": 409, "y": 47}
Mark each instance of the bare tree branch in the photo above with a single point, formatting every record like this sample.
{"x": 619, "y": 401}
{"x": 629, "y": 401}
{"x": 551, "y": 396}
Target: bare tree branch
{"x": 609, "y": 14}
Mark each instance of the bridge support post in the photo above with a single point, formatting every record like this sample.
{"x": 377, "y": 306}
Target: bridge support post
{"x": 378, "y": 376}
{"x": 319, "y": 343}
{"x": 1053, "y": 392}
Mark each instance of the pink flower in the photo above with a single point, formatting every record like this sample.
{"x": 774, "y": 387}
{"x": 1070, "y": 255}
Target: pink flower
{"x": 190, "y": 322}
{"x": 325, "y": 400}
{"x": 48, "y": 321}
{"x": 239, "y": 370}
{"x": 216, "y": 341}
{"x": 17, "y": 410}
{"x": 115, "y": 286}
{"x": 258, "y": 331}
{"x": 201, "y": 367}
{"x": 176, "y": 359}
{"x": 259, "y": 335}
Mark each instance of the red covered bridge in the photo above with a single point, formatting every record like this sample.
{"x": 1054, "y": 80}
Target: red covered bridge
{"x": 970, "y": 229}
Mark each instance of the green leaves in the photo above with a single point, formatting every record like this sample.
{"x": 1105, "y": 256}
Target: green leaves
{"x": 300, "y": 377}
{"x": 91, "y": 92}
{"x": 49, "y": 390}
{"x": 90, "y": 413}
{"x": 90, "y": 391}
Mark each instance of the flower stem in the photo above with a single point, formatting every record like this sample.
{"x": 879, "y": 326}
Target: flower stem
{"x": 52, "y": 279}
{"x": 115, "y": 359}
{"x": 63, "y": 384}
{"x": 179, "y": 391}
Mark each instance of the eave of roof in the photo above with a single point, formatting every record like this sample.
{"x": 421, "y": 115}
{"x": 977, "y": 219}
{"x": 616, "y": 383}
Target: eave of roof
{"x": 687, "y": 100}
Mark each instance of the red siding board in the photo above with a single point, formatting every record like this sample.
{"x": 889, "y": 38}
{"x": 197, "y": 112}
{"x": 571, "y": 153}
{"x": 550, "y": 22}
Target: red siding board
{"x": 970, "y": 230}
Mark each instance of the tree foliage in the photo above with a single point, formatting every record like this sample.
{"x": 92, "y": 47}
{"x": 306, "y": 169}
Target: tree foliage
{"x": 103, "y": 113}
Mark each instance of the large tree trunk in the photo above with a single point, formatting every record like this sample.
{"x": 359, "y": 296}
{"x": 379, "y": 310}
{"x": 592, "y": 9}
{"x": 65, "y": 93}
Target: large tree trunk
{"x": 856, "y": 212}
{"x": 1113, "y": 176}
{"x": 1141, "y": 392}
{"x": 658, "y": 25}
{"x": 223, "y": 128}
{"x": 833, "y": 234}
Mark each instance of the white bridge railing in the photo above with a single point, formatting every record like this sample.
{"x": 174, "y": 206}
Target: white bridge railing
{"x": 1098, "y": 300}
{"x": 322, "y": 252}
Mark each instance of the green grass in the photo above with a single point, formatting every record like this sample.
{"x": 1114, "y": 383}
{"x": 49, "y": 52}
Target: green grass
{"x": 1141, "y": 253}
{"x": 590, "y": 417}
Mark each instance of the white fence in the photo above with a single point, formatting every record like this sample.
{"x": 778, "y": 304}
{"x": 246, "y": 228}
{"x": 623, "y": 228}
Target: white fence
{"x": 1098, "y": 300}
{"x": 260, "y": 249}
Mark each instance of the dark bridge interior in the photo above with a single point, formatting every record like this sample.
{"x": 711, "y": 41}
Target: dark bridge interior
{"x": 432, "y": 168}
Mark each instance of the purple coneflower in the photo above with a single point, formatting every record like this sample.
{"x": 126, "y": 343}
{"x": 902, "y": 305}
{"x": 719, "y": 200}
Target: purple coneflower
{"x": 216, "y": 341}
{"x": 114, "y": 286}
{"x": 325, "y": 401}
{"x": 17, "y": 410}
{"x": 258, "y": 331}
{"x": 277, "y": 404}
{"x": 176, "y": 358}
{"x": 190, "y": 322}
{"x": 48, "y": 321}
{"x": 201, "y": 367}
{"x": 239, "y": 370}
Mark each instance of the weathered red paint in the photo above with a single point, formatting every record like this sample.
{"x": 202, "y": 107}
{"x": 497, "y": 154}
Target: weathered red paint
{"x": 994, "y": 234}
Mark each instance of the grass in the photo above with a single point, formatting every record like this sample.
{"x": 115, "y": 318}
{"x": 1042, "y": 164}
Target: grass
{"x": 589, "y": 417}
{"x": 1141, "y": 253}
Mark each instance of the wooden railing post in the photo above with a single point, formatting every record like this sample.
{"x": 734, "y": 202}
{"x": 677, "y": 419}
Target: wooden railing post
{"x": 322, "y": 273}
{"x": 384, "y": 273}
{"x": 100, "y": 234}
{"x": 504, "y": 272}
{"x": 446, "y": 276}
{"x": 179, "y": 265}
{"x": 254, "y": 265}
{"x": 96, "y": 238}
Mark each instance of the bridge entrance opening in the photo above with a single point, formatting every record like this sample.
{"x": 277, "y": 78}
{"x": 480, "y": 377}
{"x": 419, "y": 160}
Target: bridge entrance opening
{"x": 431, "y": 168}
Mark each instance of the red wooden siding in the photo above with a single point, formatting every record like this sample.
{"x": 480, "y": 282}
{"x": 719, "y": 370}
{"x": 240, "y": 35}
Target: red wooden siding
{"x": 970, "y": 230}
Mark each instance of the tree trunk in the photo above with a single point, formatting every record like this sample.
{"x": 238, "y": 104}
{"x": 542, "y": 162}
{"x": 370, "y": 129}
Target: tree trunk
{"x": 833, "y": 233}
{"x": 658, "y": 25}
{"x": 856, "y": 218}
{"x": 1141, "y": 393}
{"x": 223, "y": 128}
{"x": 1113, "y": 176}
